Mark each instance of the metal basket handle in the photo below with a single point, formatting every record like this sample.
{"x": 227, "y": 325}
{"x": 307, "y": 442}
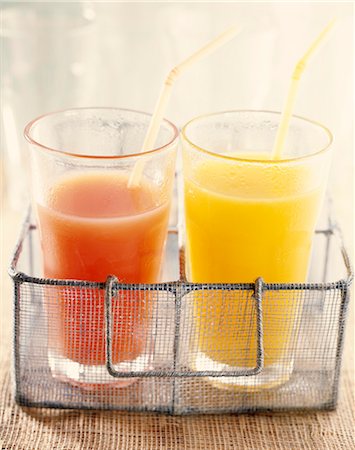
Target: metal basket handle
{"x": 258, "y": 294}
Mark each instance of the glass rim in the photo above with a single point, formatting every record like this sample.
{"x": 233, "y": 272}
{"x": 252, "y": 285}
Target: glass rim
{"x": 29, "y": 127}
{"x": 258, "y": 161}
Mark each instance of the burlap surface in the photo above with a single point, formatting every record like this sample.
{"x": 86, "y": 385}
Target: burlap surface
{"x": 42, "y": 429}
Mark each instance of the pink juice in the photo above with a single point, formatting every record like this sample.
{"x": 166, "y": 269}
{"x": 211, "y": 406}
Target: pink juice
{"x": 94, "y": 226}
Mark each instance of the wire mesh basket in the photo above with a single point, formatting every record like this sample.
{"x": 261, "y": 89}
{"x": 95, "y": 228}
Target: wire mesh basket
{"x": 201, "y": 348}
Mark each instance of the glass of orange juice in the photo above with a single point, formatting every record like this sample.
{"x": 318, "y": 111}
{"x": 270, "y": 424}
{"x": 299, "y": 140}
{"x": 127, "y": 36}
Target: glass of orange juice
{"x": 249, "y": 216}
{"x": 93, "y": 222}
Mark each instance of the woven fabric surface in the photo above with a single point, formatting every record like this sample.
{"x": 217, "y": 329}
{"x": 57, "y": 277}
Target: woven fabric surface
{"x": 42, "y": 429}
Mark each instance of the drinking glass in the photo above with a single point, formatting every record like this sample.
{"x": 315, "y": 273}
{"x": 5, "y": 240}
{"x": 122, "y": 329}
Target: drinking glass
{"x": 249, "y": 216}
{"x": 95, "y": 222}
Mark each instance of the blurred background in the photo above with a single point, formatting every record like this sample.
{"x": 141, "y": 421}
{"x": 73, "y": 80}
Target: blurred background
{"x": 58, "y": 55}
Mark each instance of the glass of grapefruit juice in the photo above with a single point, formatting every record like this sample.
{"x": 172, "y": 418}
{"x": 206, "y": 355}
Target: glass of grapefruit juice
{"x": 249, "y": 216}
{"x": 94, "y": 222}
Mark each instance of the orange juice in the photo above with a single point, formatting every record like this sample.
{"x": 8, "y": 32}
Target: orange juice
{"x": 95, "y": 225}
{"x": 245, "y": 221}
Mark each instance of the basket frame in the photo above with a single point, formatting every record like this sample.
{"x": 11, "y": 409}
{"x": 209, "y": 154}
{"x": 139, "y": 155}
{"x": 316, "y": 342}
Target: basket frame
{"x": 179, "y": 289}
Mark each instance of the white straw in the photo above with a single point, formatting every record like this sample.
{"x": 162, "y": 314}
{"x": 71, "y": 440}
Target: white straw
{"x": 164, "y": 96}
{"x": 291, "y": 96}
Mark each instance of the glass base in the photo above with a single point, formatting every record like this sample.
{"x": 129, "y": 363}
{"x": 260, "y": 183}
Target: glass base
{"x": 271, "y": 376}
{"x": 91, "y": 377}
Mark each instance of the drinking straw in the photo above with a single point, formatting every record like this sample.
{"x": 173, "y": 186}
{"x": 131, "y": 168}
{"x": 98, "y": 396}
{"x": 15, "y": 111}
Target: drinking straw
{"x": 164, "y": 96}
{"x": 291, "y": 96}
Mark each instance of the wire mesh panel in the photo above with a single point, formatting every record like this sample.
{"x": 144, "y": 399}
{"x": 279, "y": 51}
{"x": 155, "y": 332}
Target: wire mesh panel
{"x": 55, "y": 367}
{"x": 178, "y": 347}
{"x": 301, "y": 352}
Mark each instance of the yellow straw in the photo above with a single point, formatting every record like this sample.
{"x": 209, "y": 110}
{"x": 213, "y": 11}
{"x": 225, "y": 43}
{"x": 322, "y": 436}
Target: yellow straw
{"x": 291, "y": 96}
{"x": 164, "y": 96}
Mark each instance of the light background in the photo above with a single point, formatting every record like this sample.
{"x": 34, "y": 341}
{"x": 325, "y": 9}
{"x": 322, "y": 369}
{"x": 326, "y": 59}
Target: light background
{"x": 132, "y": 46}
